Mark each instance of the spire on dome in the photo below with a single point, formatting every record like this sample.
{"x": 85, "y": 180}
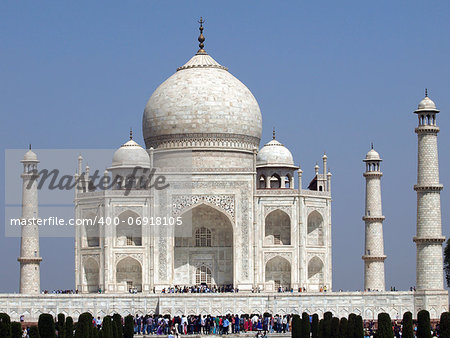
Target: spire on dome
{"x": 273, "y": 134}
{"x": 201, "y": 38}
{"x": 131, "y": 133}
{"x": 426, "y": 92}
{"x": 30, "y": 146}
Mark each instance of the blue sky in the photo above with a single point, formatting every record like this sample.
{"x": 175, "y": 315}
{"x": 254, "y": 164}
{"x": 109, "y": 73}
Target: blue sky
{"x": 330, "y": 76}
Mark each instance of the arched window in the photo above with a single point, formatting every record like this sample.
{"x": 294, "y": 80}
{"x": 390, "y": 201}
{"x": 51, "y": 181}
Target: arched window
{"x": 278, "y": 228}
{"x": 202, "y": 237}
{"x": 275, "y": 181}
{"x": 91, "y": 232}
{"x": 278, "y": 272}
{"x": 315, "y": 272}
{"x": 129, "y": 273}
{"x": 262, "y": 182}
{"x": 315, "y": 229}
{"x": 287, "y": 181}
{"x": 91, "y": 275}
{"x": 129, "y": 230}
{"x": 203, "y": 275}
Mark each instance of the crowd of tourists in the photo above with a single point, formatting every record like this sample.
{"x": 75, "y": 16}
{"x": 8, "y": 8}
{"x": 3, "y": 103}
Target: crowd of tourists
{"x": 210, "y": 325}
{"x": 200, "y": 289}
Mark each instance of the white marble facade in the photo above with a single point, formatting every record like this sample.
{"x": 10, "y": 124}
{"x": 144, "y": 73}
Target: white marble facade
{"x": 252, "y": 227}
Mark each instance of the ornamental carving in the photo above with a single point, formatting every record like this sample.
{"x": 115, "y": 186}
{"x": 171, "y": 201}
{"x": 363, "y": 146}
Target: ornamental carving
{"x": 182, "y": 202}
{"x": 95, "y": 257}
{"x": 136, "y": 256}
{"x": 122, "y": 208}
{"x": 269, "y": 255}
{"x": 269, "y": 208}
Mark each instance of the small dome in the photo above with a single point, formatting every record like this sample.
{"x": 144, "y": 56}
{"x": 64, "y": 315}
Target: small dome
{"x": 426, "y": 104}
{"x": 274, "y": 154}
{"x": 30, "y": 156}
{"x": 372, "y": 155}
{"x": 129, "y": 155}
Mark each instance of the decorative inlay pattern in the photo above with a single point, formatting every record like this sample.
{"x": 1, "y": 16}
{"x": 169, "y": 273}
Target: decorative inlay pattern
{"x": 183, "y": 202}
{"x": 136, "y": 256}
{"x": 269, "y": 255}
{"x": 269, "y": 208}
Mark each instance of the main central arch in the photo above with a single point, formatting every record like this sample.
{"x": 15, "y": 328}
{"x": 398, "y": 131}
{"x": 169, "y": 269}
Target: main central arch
{"x": 206, "y": 247}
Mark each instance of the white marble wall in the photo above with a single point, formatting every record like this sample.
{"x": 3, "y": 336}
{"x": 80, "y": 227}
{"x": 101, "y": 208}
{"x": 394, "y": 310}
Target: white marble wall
{"x": 341, "y": 304}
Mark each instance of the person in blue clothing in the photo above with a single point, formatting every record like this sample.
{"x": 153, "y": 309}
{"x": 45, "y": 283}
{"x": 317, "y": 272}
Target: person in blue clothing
{"x": 225, "y": 325}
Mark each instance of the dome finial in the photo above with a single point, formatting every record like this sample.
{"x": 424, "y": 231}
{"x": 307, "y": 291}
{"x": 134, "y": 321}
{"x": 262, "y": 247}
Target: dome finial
{"x": 131, "y": 133}
{"x": 29, "y": 146}
{"x": 201, "y": 38}
{"x": 426, "y": 92}
{"x": 273, "y": 134}
{"x": 371, "y": 145}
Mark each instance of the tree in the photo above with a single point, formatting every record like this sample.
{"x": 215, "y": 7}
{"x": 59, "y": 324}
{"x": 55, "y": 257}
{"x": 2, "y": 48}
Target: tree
{"x": 306, "y": 326}
{"x": 321, "y": 329}
{"x": 447, "y": 262}
{"x": 343, "y": 328}
{"x": 444, "y": 325}
{"x": 128, "y": 331}
{"x": 84, "y": 325}
{"x": 34, "y": 332}
{"x": 5, "y": 325}
{"x": 359, "y": 327}
{"x": 423, "y": 324}
{"x": 68, "y": 328}
{"x": 60, "y": 325}
{"x": 407, "y": 323}
{"x": 107, "y": 327}
{"x": 117, "y": 320}
{"x": 384, "y": 326}
{"x": 16, "y": 330}
{"x": 327, "y": 324}
{"x": 46, "y": 326}
{"x": 315, "y": 326}
{"x": 351, "y": 325}
{"x": 296, "y": 326}
{"x": 335, "y": 327}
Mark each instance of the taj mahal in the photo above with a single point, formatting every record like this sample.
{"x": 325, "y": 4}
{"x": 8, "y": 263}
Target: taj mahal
{"x": 252, "y": 222}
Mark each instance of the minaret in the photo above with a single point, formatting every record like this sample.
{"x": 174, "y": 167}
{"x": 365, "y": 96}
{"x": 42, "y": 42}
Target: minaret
{"x": 429, "y": 239}
{"x": 29, "y": 247}
{"x": 374, "y": 247}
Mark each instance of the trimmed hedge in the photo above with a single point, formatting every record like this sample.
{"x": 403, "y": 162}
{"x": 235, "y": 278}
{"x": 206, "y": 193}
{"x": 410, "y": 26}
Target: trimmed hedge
{"x": 384, "y": 326}
{"x": 5, "y": 325}
{"x": 444, "y": 325}
{"x": 84, "y": 325}
{"x": 306, "y": 326}
{"x": 68, "y": 328}
{"x": 46, "y": 326}
{"x": 128, "y": 331}
{"x": 335, "y": 327}
{"x": 407, "y": 323}
{"x": 359, "y": 327}
{"x": 343, "y": 328}
{"x": 60, "y": 325}
{"x": 315, "y": 326}
{"x": 296, "y": 326}
{"x": 16, "y": 330}
{"x": 423, "y": 324}
{"x": 351, "y": 325}
{"x": 34, "y": 332}
{"x": 107, "y": 327}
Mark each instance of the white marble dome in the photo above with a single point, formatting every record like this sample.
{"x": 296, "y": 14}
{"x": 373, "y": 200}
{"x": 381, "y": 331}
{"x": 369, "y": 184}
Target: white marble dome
{"x": 30, "y": 156}
{"x": 426, "y": 104}
{"x": 202, "y": 105}
{"x": 372, "y": 155}
{"x": 274, "y": 154}
{"x": 130, "y": 155}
